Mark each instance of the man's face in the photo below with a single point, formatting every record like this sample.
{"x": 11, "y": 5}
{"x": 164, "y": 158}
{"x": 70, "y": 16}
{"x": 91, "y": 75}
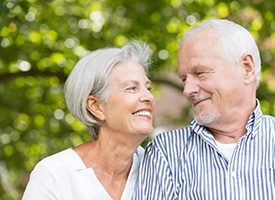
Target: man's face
{"x": 212, "y": 84}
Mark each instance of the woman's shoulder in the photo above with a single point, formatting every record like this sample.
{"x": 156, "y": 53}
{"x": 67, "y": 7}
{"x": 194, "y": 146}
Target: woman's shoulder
{"x": 65, "y": 158}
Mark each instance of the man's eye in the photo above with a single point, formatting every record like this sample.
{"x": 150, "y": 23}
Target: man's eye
{"x": 149, "y": 88}
{"x": 132, "y": 88}
{"x": 183, "y": 79}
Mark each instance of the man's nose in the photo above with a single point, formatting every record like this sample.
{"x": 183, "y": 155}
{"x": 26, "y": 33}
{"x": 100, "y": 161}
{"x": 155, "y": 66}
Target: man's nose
{"x": 190, "y": 86}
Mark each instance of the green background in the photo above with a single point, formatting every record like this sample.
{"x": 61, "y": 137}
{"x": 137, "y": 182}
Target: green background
{"x": 40, "y": 41}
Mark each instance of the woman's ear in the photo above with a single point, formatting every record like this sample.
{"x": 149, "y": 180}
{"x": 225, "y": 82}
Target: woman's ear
{"x": 249, "y": 68}
{"x": 94, "y": 106}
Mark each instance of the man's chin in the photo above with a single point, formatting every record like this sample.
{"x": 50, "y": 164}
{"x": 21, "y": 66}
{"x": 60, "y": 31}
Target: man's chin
{"x": 201, "y": 122}
{"x": 205, "y": 120}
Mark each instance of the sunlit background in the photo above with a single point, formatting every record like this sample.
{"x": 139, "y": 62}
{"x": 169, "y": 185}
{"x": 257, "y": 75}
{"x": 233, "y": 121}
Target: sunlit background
{"x": 41, "y": 40}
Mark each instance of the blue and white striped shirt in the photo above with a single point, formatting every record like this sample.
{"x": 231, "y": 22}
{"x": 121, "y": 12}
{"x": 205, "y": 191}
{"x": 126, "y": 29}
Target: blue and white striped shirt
{"x": 186, "y": 164}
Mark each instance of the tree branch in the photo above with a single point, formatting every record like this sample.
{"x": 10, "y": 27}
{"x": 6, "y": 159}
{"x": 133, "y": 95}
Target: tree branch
{"x": 6, "y": 77}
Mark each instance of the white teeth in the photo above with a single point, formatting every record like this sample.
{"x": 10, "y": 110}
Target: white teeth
{"x": 142, "y": 113}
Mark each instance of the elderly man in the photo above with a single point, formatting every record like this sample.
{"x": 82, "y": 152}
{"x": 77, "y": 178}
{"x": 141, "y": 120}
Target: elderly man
{"x": 228, "y": 150}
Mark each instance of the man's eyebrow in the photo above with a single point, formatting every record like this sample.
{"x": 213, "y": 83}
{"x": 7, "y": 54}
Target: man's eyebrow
{"x": 195, "y": 69}
{"x": 200, "y": 67}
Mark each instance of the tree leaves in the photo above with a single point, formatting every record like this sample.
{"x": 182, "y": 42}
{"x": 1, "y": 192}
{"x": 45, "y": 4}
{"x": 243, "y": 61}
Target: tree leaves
{"x": 40, "y": 42}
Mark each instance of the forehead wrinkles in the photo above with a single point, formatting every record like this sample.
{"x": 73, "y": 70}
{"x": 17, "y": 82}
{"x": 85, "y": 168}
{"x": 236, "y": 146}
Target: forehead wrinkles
{"x": 199, "y": 57}
{"x": 205, "y": 40}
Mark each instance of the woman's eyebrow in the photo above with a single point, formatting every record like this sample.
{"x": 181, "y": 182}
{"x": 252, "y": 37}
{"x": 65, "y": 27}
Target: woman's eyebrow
{"x": 137, "y": 82}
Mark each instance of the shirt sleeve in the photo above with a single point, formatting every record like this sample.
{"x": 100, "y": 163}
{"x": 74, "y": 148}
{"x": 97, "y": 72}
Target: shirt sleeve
{"x": 41, "y": 185}
{"x": 155, "y": 179}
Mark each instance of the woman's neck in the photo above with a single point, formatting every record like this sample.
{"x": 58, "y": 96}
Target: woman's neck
{"x": 111, "y": 162}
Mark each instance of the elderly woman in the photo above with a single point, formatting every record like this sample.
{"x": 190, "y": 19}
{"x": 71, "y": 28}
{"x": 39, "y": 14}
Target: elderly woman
{"x": 109, "y": 92}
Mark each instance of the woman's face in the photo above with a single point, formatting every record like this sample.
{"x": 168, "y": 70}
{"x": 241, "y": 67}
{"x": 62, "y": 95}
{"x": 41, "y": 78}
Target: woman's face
{"x": 130, "y": 104}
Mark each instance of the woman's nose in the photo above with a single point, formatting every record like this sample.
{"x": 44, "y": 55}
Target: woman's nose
{"x": 147, "y": 96}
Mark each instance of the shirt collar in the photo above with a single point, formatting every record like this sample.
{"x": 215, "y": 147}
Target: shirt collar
{"x": 254, "y": 120}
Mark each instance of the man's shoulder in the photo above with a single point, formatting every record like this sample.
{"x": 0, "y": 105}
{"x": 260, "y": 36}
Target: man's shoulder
{"x": 170, "y": 145}
{"x": 269, "y": 118}
{"x": 173, "y": 137}
{"x": 267, "y": 123}
{"x": 175, "y": 133}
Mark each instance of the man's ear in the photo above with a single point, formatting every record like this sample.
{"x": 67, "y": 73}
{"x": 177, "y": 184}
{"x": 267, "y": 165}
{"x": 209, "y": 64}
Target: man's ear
{"x": 249, "y": 68}
{"x": 94, "y": 106}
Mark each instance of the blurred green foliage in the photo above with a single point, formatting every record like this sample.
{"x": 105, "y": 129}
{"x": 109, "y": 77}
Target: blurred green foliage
{"x": 41, "y": 40}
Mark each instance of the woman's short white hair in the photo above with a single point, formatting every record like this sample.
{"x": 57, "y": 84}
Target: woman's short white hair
{"x": 91, "y": 76}
{"x": 233, "y": 41}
